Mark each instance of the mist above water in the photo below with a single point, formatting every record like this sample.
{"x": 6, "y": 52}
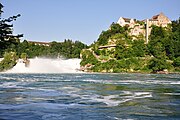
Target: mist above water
{"x": 45, "y": 65}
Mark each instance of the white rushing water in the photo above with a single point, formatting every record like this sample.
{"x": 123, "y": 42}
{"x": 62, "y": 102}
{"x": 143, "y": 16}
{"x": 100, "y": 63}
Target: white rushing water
{"x": 45, "y": 65}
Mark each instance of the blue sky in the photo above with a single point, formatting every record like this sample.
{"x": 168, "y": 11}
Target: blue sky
{"x": 84, "y": 20}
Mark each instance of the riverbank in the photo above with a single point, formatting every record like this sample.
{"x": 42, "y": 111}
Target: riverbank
{"x": 138, "y": 72}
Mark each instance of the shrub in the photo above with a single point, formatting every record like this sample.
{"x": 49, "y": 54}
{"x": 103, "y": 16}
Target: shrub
{"x": 9, "y": 61}
{"x": 88, "y": 57}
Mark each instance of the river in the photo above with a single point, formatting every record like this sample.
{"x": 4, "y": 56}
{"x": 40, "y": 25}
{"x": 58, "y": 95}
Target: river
{"x": 89, "y": 96}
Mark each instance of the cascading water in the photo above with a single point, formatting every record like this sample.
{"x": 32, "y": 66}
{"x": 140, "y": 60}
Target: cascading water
{"x": 45, "y": 65}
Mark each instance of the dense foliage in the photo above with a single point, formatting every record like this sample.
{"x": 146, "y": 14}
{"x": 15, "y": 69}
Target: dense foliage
{"x": 113, "y": 30}
{"x": 66, "y": 49}
{"x": 88, "y": 58}
{"x": 162, "y": 53}
{"x": 8, "y": 62}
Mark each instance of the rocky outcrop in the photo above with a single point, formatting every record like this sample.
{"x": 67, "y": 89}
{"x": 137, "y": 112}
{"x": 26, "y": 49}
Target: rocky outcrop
{"x": 27, "y": 63}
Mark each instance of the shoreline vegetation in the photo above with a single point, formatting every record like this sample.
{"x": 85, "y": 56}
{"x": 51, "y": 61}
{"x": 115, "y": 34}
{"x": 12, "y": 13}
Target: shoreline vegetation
{"x": 115, "y": 51}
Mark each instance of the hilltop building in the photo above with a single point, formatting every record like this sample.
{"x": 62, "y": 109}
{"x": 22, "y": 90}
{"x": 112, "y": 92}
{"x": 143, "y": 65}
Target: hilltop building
{"x": 143, "y": 27}
{"x": 159, "y": 20}
{"x": 40, "y": 43}
{"x": 126, "y": 21}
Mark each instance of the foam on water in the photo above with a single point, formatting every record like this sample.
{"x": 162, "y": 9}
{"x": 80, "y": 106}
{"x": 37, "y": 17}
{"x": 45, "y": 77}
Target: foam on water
{"x": 8, "y": 85}
{"x": 115, "y": 100}
{"x": 44, "y": 65}
{"x": 172, "y": 93}
{"x": 109, "y": 100}
{"x": 164, "y": 82}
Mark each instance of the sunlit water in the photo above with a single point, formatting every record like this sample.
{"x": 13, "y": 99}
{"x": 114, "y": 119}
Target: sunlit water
{"x": 89, "y": 96}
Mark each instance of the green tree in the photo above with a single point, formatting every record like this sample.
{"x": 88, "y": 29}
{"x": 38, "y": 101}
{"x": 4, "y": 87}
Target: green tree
{"x": 88, "y": 58}
{"x": 9, "y": 61}
{"x": 177, "y": 62}
{"x": 120, "y": 51}
{"x": 24, "y": 56}
{"x": 176, "y": 37}
{"x": 113, "y": 30}
{"x": 156, "y": 44}
{"x": 159, "y": 64}
{"x": 76, "y": 49}
{"x": 138, "y": 48}
{"x": 6, "y": 31}
{"x": 157, "y": 32}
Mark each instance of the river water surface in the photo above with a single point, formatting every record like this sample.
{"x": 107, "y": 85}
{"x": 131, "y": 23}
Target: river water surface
{"x": 89, "y": 96}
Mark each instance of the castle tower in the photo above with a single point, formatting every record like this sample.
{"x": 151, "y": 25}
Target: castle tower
{"x": 147, "y": 30}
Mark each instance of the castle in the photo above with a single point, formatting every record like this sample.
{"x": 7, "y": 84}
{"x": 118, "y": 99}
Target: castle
{"x": 143, "y": 27}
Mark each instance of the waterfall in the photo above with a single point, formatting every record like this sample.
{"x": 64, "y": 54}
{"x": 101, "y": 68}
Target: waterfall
{"x": 46, "y": 65}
